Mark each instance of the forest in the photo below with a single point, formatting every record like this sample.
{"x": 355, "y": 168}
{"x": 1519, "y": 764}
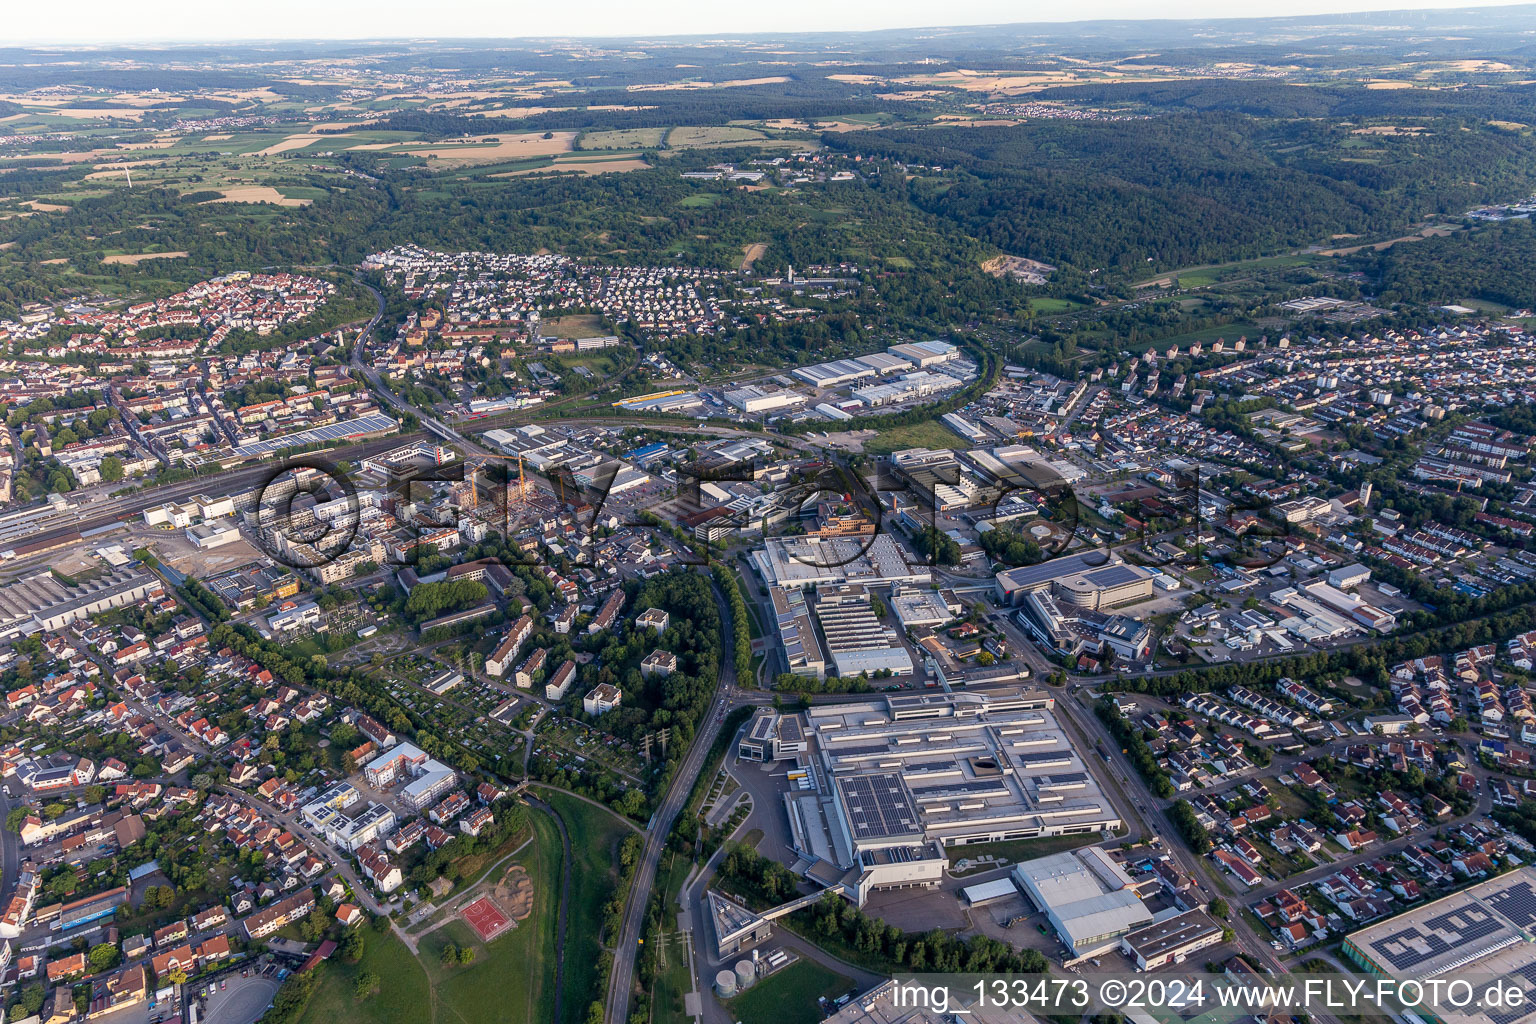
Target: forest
{"x": 806, "y": 98}
{"x": 1182, "y": 189}
{"x": 1496, "y": 263}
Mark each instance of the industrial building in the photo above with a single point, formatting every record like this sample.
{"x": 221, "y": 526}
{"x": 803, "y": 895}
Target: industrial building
{"x": 751, "y": 399}
{"x": 90, "y": 909}
{"x": 1348, "y": 605}
{"x": 906, "y": 388}
{"x": 1171, "y": 940}
{"x": 797, "y": 634}
{"x": 925, "y": 353}
{"x": 735, "y": 928}
{"x": 830, "y": 375}
{"x": 1072, "y": 630}
{"x": 41, "y": 603}
{"x": 885, "y": 786}
{"x": 1482, "y": 931}
{"x": 213, "y": 535}
{"x": 856, "y": 639}
{"x": 917, "y": 608}
{"x": 1087, "y": 897}
{"x": 810, "y": 561}
{"x": 773, "y": 737}
{"x": 1087, "y": 580}
{"x": 1351, "y": 575}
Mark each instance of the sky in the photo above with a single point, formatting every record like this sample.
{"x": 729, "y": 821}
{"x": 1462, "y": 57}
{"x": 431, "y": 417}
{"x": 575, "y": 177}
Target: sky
{"x": 123, "y": 21}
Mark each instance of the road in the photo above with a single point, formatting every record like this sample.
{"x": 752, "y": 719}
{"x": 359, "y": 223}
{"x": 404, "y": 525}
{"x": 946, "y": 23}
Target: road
{"x": 112, "y": 510}
{"x": 622, "y": 979}
{"x": 694, "y": 903}
{"x": 294, "y": 824}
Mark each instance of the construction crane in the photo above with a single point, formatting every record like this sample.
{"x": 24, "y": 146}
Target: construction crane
{"x": 522, "y": 487}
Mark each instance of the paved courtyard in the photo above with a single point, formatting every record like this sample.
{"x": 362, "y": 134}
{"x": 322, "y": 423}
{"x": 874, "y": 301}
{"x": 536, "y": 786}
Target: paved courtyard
{"x": 243, "y": 1002}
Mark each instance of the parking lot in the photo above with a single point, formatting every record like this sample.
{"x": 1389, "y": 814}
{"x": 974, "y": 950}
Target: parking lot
{"x": 240, "y": 1000}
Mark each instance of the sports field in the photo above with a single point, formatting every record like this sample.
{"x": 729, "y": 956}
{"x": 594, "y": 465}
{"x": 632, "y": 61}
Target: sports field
{"x": 486, "y": 918}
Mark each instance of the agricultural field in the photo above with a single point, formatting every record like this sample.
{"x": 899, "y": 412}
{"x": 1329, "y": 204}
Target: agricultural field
{"x": 705, "y": 137}
{"x": 581, "y": 163}
{"x": 625, "y": 138}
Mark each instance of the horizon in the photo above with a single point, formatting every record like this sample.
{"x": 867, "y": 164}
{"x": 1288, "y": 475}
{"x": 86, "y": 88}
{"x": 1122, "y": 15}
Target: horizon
{"x": 459, "y": 16}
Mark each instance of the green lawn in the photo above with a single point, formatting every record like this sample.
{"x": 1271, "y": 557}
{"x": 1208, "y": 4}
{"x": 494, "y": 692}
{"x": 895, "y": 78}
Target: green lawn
{"x": 512, "y": 980}
{"x": 931, "y": 434}
{"x": 789, "y": 997}
{"x": 746, "y": 599}
{"x": 576, "y": 325}
{"x": 1046, "y": 304}
{"x": 672, "y": 984}
{"x": 402, "y": 990}
{"x": 1206, "y": 335}
{"x": 595, "y": 835}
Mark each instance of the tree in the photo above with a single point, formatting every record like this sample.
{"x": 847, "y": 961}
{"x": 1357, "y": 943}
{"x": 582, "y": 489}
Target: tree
{"x": 178, "y": 976}
{"x": 352, "y": 945}
{"x": 63, "y": 884}
{"x": 111, "y": 469}
{"x": 1218, "y": 908}
{"x": 366, "y": 985}
{"x": 937, "y": 545}
{"x": 32, "y": 999}
{"x": 631, "y": 804}
{"x": 103, "y": 956}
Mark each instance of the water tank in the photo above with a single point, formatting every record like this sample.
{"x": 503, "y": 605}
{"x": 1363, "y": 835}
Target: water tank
{"x": 746, "y": 974}
{"x": 725, "y": 984}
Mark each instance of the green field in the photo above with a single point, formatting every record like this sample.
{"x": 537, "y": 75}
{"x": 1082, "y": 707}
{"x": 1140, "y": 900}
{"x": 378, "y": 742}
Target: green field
{"x": 578, "y": 325}
{"x": 595, "y": 836}
{"x": 789, "y": 997}
{"x": 699, "y": 199}
{"x": 672, "y": 984}
{"x": 720, "y": 135}
{"x": 403, "y": 988}
{"x": 626, "y": 138}
{"x": 931, "y": 434}
{"x": 1045, "y": 304}
{"x": 512, "y": 980}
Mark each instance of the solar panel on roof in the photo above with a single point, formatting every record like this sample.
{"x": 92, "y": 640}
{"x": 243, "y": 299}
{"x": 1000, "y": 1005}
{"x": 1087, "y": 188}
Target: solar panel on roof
{"x": 1113, "y": 575}
{"x": 1518, "y": 903}
{"x": 1510, "y": 1015}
